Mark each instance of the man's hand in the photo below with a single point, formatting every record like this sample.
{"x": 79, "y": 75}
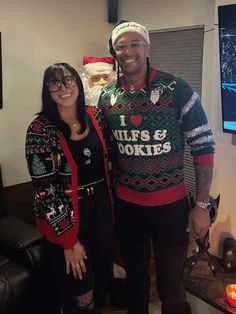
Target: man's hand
{"x": 75, "y": 260}
{"x": 198, "y": 222}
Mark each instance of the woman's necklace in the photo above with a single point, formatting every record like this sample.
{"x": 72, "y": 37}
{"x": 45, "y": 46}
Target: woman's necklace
{"x": 75, "y": 127}
{"x": 75, "y": 131}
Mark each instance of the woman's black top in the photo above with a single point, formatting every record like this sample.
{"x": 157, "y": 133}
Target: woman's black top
{"x": 88, "y": 156}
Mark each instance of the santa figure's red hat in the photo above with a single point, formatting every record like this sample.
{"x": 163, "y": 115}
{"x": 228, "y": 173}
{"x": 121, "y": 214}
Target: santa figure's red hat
{"x": 92, "y": 65}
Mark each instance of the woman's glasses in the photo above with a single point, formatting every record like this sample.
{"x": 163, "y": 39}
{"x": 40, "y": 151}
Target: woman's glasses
{"x": 67, "y": 81}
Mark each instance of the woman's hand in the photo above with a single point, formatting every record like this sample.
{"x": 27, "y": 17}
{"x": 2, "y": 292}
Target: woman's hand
{"x": 75, "y": 257}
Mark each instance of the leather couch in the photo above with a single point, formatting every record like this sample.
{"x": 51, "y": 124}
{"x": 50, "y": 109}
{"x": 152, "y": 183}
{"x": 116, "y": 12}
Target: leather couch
{"x": 14, "y": 287}
{"x": 25, "y": 284}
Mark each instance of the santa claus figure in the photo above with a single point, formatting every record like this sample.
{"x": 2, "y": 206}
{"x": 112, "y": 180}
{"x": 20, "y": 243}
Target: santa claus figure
{"x": 98, "y": 72}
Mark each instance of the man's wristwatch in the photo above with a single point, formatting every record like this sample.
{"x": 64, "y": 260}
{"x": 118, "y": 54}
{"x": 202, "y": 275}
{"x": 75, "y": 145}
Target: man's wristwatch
{"x": 205, "y": 206}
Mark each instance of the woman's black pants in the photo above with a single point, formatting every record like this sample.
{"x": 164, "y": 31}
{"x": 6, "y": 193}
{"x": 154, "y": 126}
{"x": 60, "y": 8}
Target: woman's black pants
{"x": 96, "y": 234}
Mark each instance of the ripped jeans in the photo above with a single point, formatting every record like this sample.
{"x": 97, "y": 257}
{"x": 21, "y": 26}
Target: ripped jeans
{"x": 96, "y": 234}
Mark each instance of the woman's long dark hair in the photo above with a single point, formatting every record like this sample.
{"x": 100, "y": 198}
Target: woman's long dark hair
{"x": 49, "y": 107}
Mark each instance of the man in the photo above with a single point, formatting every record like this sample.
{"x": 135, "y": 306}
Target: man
{"x": 150, "y": 115}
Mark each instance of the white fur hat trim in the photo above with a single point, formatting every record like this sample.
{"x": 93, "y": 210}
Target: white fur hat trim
{"x": 129, "y": 27}
{"x": 93, "y": 68}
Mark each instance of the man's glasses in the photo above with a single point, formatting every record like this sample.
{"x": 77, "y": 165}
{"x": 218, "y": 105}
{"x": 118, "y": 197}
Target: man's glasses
{"x": 67, "y": 81}
{"x": 135, "y": 44}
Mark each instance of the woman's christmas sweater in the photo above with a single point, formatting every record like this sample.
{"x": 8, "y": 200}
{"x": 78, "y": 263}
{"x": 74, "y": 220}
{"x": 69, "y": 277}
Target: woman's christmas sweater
{"x": 55, "y": 180}
{"x": 150, "y": 129}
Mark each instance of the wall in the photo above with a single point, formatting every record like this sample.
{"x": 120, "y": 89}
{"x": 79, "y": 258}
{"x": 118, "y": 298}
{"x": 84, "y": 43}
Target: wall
{"x": 36, "y": 34}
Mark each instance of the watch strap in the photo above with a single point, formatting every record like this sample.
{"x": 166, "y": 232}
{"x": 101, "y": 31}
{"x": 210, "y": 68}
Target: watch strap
{"x": 204, "y": 205}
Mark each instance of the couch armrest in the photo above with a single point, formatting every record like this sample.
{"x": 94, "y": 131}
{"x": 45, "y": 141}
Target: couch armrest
{"x": 20, "y": 242}
{"x": 16, "y": 234}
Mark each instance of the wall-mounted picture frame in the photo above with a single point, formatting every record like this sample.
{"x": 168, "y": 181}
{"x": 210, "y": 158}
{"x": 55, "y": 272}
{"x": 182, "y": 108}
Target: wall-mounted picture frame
{"x": 1, "y": 100}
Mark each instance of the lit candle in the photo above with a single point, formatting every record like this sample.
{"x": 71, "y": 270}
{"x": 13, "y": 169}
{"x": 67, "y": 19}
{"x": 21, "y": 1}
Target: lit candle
{"x": 231, "y": 294}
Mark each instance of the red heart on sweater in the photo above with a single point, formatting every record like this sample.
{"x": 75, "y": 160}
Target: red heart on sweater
{"x": 136, "y": 119}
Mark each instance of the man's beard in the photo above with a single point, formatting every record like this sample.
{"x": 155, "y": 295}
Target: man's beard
{"x": 92, "y": 95}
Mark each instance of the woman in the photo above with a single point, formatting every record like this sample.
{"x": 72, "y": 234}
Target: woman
{"x": 66, "y": 157}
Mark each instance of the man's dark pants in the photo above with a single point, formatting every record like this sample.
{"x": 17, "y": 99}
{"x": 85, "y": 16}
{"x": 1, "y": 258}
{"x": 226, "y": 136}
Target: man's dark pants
{"x": 165, "y": 226}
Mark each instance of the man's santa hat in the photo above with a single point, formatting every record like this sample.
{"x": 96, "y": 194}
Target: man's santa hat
{"x": 93, "y": 65}
{"x": 126, "y": 27}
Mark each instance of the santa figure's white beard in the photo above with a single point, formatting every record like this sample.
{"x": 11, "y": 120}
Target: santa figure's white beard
{"x": 92, "y": 95}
